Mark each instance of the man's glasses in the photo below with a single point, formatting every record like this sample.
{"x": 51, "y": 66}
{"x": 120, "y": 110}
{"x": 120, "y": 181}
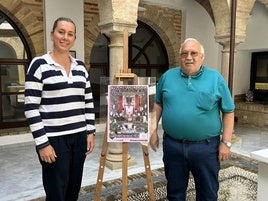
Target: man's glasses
{"x": 185, "y": 54}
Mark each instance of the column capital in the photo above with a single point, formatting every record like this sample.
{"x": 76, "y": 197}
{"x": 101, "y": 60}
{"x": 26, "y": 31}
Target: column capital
{"x": 114, "y": 27}
{"x": 118, "y": 15}
{"x": 224, "y": 40}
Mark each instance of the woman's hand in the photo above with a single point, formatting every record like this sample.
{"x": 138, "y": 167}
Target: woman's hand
{"x": 90, "y": 143}
{"x": 47, "y": 154}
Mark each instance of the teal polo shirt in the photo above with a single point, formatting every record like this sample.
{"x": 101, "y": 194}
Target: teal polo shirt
{"x": 191, "y": 105}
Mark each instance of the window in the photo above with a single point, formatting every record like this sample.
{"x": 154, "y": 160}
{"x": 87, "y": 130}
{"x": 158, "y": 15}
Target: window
{"x": 259, "y": 76}
{"x": 14, "y": 60}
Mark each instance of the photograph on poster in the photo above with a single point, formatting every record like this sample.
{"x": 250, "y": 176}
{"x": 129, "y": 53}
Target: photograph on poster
{"x": 128, "y": 113}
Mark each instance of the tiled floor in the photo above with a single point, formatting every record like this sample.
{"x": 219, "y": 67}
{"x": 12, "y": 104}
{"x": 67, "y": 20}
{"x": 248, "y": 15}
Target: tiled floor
{"x": 20, "y": 171}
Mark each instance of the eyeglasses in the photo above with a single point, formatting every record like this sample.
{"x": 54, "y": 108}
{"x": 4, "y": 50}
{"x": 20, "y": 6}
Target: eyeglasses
{"x": 185, "y": 54}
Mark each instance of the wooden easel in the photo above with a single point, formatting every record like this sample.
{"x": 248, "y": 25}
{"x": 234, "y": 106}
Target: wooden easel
{"x": 124, "y": 75}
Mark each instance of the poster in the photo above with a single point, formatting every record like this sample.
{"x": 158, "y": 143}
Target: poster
{"x": 128, "y": 113}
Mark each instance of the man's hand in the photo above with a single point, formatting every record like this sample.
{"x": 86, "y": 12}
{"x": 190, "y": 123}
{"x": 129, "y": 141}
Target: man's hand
{"x": 47, "y": 154}
{"x": 90, "y": 143}
{"x": 224, "y": 152}
{"x": 154, "y": 141}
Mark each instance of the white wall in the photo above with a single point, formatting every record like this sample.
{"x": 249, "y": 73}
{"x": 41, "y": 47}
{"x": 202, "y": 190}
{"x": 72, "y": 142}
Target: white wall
{"x": 73, "y": 9}
{"x": 242, "y": 72}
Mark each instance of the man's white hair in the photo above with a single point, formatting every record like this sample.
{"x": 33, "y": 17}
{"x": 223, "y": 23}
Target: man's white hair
{"x": 195, "y": 40}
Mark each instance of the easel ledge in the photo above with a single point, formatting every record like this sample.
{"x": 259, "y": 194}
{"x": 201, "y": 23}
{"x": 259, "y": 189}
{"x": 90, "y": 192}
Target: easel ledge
{"x": 125, "y": 75}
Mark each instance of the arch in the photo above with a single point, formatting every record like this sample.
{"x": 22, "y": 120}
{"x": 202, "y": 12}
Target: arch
{"x": 9, "y": 51}
{"x": 28, "y": 17}
{"x": 15, "y": 57}
{"x": 168, "y": 30}
{"x": 265, "y": 2}
{"x": 92, "y": 31}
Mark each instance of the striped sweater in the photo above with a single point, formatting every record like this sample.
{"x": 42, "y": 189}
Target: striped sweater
{"x": 57, "y": 104}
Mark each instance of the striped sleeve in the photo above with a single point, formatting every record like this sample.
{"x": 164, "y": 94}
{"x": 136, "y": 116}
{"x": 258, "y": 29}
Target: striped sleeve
{"x": 33, "y": 93}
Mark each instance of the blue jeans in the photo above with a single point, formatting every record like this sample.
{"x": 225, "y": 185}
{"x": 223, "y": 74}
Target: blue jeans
{"x": 200, "y": 158}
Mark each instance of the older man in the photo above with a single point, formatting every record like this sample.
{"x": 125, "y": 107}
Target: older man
{"x": 190, "y": 99}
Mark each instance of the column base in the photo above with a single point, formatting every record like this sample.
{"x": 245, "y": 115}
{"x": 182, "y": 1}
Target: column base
{"x": 114, "y": 165}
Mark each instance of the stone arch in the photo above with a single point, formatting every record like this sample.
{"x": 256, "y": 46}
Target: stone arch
{"x": 220, "y": 14}
{"x": 167, "y": 23}
{"x": 29, "y": 18}
{"x": 92, "y": 30}
{"x": 13, "y": 46}
{"x": 9, "y": 48}
{"x": 244, "y": 8}
{"x": 265, "y": 2}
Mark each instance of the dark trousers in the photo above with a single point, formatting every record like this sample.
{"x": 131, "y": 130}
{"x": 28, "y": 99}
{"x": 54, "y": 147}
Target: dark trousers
{"x": 62, "y": 179}
{"x": 201, "y": 159}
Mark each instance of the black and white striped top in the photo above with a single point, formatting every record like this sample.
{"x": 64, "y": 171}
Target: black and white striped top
{"x": 57, "y": 104}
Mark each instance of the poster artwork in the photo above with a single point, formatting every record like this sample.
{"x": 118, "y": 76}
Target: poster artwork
{"x": 128, "y": 113}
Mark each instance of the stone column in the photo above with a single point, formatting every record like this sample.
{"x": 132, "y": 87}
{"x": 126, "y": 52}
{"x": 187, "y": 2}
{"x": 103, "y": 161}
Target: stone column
{"x": 116, "y": 52}
{"x": 115, "y": 17}
{"x": 114, "y": 156}
{"x": 225, "y": 62}
{"x": 224, "y": 40}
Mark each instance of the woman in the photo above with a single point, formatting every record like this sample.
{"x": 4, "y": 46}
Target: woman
{"x": 59, "y": 109}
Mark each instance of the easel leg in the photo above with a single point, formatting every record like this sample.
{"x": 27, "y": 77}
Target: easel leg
{"x": 148, "y": 173}
{"x": 125, "y": 172}
{"x": 101, "y": 167}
